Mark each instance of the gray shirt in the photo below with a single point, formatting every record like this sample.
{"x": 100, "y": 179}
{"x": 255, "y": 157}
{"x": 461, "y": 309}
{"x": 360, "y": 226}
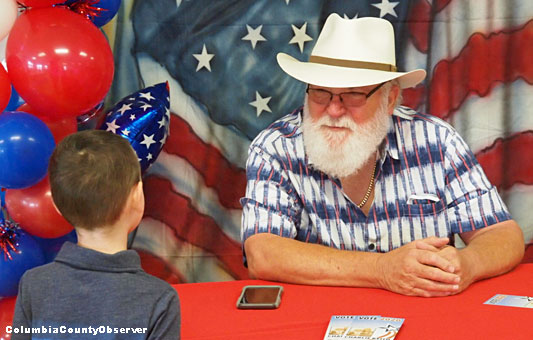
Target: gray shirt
{"x": 85, "y": 294}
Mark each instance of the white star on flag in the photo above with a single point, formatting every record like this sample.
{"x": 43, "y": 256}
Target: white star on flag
{"x": 126, "y": 132}
{"x": 162, "y": 122}
{"x": 149, "y": 157}
{"x": 204, "y": 60}
{"x": 148, "y": 140}
{"x": 147, "y": 96}
{"x": 300, "y": 37}
{"x": 386, "y": 7}
{"x": 132, "y": 117}
{"x": 254, "y": 35}
{"x": 146, "y": 106}
{"x": 124, "y": 108}
{"x": 261, "y": 104}
{"x": 112, "y": 126}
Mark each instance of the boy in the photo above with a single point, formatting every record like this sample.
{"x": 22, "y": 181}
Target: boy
{"x": 96, "y": 289}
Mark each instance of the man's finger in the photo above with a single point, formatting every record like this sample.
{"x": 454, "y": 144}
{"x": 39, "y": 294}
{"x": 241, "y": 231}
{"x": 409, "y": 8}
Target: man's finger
{"x": 425, "y": 246}
{"x": 437, "y": 275}
{"x": 434, "y": 287}
{"x": 435, "y": 241}
{"x": 433, "y": 259}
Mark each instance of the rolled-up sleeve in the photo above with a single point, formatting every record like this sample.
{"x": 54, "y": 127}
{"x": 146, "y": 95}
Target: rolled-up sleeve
{"x": 269, "y": 205}
{"x": 473, "y": 199}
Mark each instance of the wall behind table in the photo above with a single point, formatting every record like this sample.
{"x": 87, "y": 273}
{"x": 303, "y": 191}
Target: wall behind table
{"x": 477, "y": 54}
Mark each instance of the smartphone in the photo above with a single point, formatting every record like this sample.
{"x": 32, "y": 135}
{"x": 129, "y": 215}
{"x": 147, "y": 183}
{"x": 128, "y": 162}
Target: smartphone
{"x": 260, "y": 297}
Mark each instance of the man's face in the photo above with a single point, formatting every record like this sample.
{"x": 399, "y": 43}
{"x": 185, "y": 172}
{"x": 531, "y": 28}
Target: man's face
{"x": 361, "y": 114}
{"x": 341, "y": 135}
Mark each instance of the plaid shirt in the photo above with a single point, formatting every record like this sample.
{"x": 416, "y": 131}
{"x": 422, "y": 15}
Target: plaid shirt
{"x": 428, "y": 182}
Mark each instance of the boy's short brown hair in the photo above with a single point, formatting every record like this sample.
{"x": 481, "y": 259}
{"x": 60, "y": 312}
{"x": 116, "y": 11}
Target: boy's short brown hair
{"x": 92, "y": 174}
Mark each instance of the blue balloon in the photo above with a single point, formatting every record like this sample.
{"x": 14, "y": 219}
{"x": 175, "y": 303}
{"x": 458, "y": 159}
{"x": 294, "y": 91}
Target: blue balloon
{"x": 14, "y": 101}
{"x": 27, "y": 256}
{"x": 51, "y": 246}
{"x": 26, "y": 145}
{"x": 110, "y": 9}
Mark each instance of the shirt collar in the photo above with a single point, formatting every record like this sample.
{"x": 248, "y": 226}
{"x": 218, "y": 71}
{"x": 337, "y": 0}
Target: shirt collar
{"x": 393, "y": 141}
{"x": 84, "y": 258}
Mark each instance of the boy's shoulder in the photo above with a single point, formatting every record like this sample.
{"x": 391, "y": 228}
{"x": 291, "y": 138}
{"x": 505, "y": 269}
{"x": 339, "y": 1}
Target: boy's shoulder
{"x": 155, "y": 283}
{"x": 121, "y": 269}
{"x": 39, "y": 273}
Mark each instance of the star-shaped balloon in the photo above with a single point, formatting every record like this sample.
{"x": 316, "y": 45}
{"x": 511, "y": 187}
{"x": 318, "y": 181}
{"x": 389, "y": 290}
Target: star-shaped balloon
{"x": 143, "y": 118}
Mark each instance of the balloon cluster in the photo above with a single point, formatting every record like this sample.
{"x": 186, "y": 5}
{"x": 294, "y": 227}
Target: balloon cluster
{"x": 24, "y": 253}
{"x": 57, "y": 70}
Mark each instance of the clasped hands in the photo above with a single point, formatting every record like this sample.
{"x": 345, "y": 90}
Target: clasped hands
{"x": 427, "y": 267}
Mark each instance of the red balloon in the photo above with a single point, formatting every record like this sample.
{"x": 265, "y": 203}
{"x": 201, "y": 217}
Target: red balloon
{"x": 32, "y": 208}
{"x": 7, "y": 309}
{"x": 59, "y": 62}
{"x": 59, "y": 128}
{"x": 5, "y": 88}
{"x": 40, "y": 3}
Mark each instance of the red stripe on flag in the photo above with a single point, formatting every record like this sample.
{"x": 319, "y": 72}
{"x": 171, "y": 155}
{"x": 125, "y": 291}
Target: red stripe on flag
{"x": 501, "y": 57}
{"x": 440, "y": 4}
{"x": 509, "y": 161}
{"x": 156, "y": 266}
{"x": 165, "y": 205}
{"x": 218, "y": 173}
{"x": 413, "y": 96}
{"x": 419, "y": 23}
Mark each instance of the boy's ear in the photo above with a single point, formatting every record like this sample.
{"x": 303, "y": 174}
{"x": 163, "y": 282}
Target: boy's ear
{"x": 139, "y": 188}
{"x": 138, "y": 194}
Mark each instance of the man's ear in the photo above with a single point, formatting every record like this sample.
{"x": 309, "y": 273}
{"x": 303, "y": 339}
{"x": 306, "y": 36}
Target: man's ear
{"x": 393, "y": 97}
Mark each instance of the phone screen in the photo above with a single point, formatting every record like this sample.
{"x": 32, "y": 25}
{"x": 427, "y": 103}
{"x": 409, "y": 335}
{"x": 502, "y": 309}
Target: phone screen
{"x": 260, "y": 297}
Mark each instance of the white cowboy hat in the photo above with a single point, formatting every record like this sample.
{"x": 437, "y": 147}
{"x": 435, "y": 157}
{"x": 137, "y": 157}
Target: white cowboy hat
{"x": 351, "y": 53}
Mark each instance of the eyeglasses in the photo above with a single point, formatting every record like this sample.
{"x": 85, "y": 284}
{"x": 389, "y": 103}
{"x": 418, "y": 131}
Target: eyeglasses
{"x": 349, "y": 99}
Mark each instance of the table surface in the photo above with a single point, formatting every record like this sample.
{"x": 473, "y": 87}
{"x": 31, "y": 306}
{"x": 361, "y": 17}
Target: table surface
{"x": 209, "y": 311}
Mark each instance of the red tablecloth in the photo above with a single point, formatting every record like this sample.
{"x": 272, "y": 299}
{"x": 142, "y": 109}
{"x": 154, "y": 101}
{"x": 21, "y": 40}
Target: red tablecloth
{"x": 209, "y": 311}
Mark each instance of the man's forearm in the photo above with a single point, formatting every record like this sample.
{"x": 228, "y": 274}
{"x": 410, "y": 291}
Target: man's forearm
{"x": 275, "y": 258}
{"x": 494, "y": 251}
{"x": 408, "y": 270}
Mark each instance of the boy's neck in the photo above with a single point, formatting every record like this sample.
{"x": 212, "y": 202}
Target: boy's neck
{"x": 106, "y": 239}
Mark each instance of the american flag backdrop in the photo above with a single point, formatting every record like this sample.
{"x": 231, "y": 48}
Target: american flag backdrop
{"x": 225, "y": 86}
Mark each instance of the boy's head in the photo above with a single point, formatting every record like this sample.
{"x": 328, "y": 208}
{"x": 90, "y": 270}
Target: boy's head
{"x": 92, "y": 176}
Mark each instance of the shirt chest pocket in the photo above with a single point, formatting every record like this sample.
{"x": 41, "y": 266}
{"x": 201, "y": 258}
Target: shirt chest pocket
{"x": 419, "y": 205}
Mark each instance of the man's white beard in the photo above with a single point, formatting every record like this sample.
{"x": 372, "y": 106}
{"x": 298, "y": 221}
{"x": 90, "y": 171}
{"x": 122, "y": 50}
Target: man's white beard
{"x": 342, "y": 153}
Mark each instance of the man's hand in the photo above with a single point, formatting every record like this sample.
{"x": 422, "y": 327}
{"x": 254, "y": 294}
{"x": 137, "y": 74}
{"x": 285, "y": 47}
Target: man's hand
{"x": 455, "y": 257}
{"x": 419, "y": 268}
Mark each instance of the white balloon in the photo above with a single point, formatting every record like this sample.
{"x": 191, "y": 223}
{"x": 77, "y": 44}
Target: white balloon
{"x": 8, "y": 15}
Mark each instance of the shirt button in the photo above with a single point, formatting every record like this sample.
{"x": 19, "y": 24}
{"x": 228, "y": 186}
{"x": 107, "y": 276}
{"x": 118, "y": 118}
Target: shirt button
{"x": 371, "y": 246}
